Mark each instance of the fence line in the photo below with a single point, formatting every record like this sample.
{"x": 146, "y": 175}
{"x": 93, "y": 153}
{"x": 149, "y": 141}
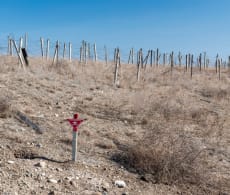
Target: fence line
{"x": 87, "y": 51}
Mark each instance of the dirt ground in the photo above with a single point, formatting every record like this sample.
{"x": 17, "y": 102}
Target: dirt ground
{"x": 117, "y": 118}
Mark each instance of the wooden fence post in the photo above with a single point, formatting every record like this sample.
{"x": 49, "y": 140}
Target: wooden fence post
{"x": 189, "y": 60}
{"x": 157, "y": 57}
{"x": 19, "y": 55}
{"x": 89, "y": 51}
{"x": 106, "y": 55}
{"x": 216, "y": 63}
{"x": 131, "y": 56}
{"x": 47, "y": 49}
{"x": 207, "y": 63}
{"x": 130, "y": 53}
{"x": 138, "y": 65}
{"x": 145, "y": 61}
{"x": 42, "y": 47}
{"x": 141, "y": 57}
{"x": 171, "y": 62}
{"x": 179, "y": 58}
{"x": 57, "y": 46}
{"x": 26, "y": 41}
{"x": 200, "y": 61}
{"x": 117, "y": 67}
{"x": 219, "y": 64}
{"x": 8, "y": 48}
{"x": 85, "y": 52}
{"x": 70, "y": 52}
{"x": 186, "y": 63}
{"x": 56, "y": 52}
{"x": 228, "y": 64}
{"x": 191, "y": 65}
{"x": 95, "y": 52}
{"x": 20, "y": 45}
{"x": 151, "y": 58}
{"x": 164, "y": 59}
{"x": 80, "y": 54}
{"x": 64, "y": 50}
{"x": 204, "y": 60}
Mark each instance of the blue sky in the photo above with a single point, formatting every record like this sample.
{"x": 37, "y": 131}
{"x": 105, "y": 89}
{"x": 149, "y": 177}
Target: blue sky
{"x": 179, "y": 25}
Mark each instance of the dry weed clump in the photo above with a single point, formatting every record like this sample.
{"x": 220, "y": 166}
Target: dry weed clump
{"x": 168, "y": 156}
{"x": 62, "y": 67}
{"x": 5, "y": 107}
{"x": 214, "y": 92}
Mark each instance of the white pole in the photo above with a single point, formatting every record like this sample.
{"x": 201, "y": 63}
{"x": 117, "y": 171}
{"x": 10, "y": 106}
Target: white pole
{"x": 74, "y": 146}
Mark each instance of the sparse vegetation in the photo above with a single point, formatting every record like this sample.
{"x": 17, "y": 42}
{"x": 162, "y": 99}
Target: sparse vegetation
{"x": 169, "y": 133}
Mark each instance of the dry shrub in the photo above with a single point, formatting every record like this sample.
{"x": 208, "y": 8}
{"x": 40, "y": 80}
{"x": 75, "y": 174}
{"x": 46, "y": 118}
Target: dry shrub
{"x": 168, "y": 156}
{"x": 62, "y": 67}
{"x": 213, "y": 92}
{"x": 105, "y": 144}
{"x": 5, "y": 107}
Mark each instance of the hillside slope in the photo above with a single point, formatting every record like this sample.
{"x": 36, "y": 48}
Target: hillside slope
{"x": 167, "y": 134}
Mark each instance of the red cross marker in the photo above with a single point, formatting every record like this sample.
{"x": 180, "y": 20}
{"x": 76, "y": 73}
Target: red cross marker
{"x": 74, "y": 122}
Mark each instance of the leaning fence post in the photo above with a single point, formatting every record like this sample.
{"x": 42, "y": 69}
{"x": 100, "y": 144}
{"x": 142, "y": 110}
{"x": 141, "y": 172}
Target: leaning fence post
{"x": 145, "y": 61}
{"x": 56, "y": 52}
{"x": 19, "y": 55}
{"x": 20, "y": 45}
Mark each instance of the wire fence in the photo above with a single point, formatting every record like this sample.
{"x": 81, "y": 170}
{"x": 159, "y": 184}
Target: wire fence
{"x": 83, "y": 50}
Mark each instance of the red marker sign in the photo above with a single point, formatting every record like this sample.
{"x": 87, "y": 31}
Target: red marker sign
{"x": 75, "y": 122}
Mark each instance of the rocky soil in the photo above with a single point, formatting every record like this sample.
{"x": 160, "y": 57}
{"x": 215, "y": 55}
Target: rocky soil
{"x": 34, "y": 162}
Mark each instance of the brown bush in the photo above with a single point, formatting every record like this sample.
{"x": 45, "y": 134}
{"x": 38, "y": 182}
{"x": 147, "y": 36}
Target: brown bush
{"x": 168, "y": 156}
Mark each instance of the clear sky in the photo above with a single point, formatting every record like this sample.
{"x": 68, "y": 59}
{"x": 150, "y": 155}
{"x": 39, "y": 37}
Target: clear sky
{"x": 179, "y": 25}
